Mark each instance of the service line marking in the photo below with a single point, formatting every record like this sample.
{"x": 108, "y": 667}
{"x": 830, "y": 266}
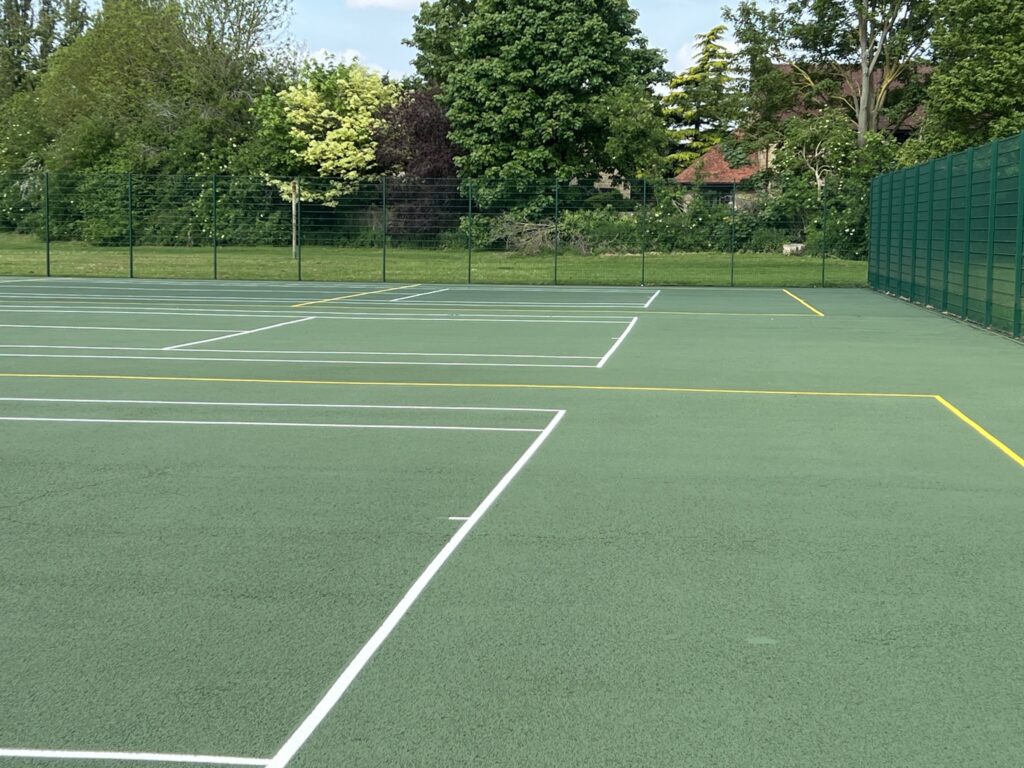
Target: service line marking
{"x": 651, "y": 300}
{"x": 792, "y": 295}
{"x": 243, "y": 404}
{"x": 237, "y": 333}
{"x": 356, "y": 295}
{"x": 306, "y": 424}
{"x": 417, "y": 295}
{"x": 349, "y": 674}
{"x": 114, "y": 328}
{"x": 151, "y": 757}
{"x": 615, "y": 346}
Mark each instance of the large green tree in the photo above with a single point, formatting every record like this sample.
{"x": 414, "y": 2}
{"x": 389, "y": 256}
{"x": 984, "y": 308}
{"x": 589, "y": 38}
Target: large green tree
{"x": 702, "y": 103}
{"x": 31, "y": 30}
{"x": 861, "y": 55}
{"x": 975, "y": 93}
{"x": 531, "y": 83}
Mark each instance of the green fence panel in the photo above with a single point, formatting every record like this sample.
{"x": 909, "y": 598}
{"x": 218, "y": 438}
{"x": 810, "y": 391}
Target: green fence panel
{"x": 950, "y": 234}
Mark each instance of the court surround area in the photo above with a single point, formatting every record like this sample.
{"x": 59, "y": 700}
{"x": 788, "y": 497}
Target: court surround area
{"x": 284, "y": 524}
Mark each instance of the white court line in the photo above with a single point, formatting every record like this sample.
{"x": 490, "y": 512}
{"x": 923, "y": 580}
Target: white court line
{"x": 487, "y": 409}
{"x": 458, "y": 518}
{"x": 302, "y": 352}
{"x": 349, "y": 674}
{"x": 308, "y": 424}
{"x": 417, "y": 295}
{"x": 545, "y": 304}
{"x": 152, "y": 757}
{"x": 210, "y": 312}
{"x": 115, "y": 328}
{"x": 651, "y": 300}
{"x": 238, "y": 333}
{"x": 292, "y": 361}
{"x": 618, "y": 341}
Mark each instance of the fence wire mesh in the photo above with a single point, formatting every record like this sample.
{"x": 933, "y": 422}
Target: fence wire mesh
{"x": 396, "y": 229}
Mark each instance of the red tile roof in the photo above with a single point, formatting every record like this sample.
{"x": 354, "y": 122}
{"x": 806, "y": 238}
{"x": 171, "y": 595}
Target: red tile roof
{"x": 713, "y": 168}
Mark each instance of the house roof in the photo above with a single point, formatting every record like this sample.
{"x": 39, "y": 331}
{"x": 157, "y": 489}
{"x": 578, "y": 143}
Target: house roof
{"x": 713, "y": 168}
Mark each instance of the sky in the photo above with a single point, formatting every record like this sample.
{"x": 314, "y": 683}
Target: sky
{"x": 373, "y": 30}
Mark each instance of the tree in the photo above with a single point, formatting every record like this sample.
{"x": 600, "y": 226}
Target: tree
{"x": 323, "y": 125}
{"x": 530, "y": 84}
{"x": 412, "y": 135}
{"x": 435, "y": 29}
{"x": 975, "y": 93}
{"x": 859, "y": 52}
{"x": 701, "y": 104}
{"x": 30, "y": 31}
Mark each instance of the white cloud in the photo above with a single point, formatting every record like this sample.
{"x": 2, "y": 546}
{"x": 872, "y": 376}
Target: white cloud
{"x": 396, "y": 4}
{"x": 347, "y": 56}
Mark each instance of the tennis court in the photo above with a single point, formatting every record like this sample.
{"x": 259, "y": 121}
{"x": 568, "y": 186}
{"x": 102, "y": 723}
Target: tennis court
{"x": 283, "y": 524}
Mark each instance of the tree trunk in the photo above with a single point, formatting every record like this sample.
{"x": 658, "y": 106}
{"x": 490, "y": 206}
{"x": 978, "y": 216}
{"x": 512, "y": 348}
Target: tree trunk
{"x": 865, "y": 99}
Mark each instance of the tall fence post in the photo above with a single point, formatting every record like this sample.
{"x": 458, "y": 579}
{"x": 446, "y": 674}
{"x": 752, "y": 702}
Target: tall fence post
{"x": 213, "y": 220}
{"x": 824, "y": 231}
{"x": 1018, "y": 261}
{"x": 732, "y": 237}
{"x": 469, "y": 234}
{"x": 384, "y": 229}
{"x": 298, "y": 229}
{"x": 968, "y": 224}
{"x": 891, "y": 178}
{"x": 131, "y": 232}
{"x": 913, "y": 233}
{"x": 930, "y": 229}
{"x": 946, "y": 234}
{"x": 643, "y": 238}
{"x": 990, "y": 251}
{"x": 556, "y": 233}
{"x": 46, "y": 217}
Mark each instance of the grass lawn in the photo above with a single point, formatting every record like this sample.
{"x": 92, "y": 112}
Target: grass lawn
{"x": 26, "y": 255}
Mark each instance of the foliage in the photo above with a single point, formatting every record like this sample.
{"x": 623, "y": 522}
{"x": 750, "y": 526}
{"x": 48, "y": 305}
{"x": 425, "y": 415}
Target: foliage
{"x": 412, "y": 135}
{"x": 530, "y": 87}
{"x": 975, "y": 92}
{"x": 30, "y": 31}
{"x": 701, "y": 105}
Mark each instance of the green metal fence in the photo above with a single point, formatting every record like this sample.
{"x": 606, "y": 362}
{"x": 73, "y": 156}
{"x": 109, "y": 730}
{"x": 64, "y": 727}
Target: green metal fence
{"x": 950, "y": 234}
{"x": 409, "y": 229}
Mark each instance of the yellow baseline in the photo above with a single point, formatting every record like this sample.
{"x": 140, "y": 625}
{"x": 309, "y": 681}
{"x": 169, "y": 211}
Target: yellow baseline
{"x": 792, "y": 295}
{"x": 467, "y": 385}
{"x": 355, "y": 295}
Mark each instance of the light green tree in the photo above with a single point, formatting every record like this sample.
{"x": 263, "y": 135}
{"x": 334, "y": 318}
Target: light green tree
{"x": 702, "y": 104}
{"x": 324, "y": 124}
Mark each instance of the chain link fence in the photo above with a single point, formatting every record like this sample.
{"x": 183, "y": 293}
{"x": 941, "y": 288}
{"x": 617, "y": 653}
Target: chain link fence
{"x": 949, "y": 234}
{"x": 397, "y": 229}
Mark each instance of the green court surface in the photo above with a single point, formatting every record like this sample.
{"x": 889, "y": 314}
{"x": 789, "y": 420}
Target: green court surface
{"x": 282, "y": 524}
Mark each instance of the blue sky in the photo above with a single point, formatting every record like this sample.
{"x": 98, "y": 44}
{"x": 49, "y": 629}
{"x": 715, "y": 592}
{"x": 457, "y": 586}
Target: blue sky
{"x": 374, "y": 29}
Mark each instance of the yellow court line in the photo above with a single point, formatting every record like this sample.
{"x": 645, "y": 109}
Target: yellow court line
{"x": 356, "y": 295}
{"x": 467, "y": 385}
{"x": 980, "y": 430}
{"x": 792, "y": 295}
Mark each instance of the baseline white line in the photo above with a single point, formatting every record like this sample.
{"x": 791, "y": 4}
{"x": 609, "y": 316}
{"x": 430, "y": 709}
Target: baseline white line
{"x": 417, "y": 295}
{"x": 307, "y": 424}
{"x": 337, "y": 690}
{"x": 115, "y": 328}
{"x": 618, "y": 341}
{"x": 239, "y": 333}
{"x": 651, "y": 300}
{"x": 154, "y": 757}
{"x": 302, "y": 352}
{"x": 219, "y": 313}
{"x": 173, "y": 358}
{"x": 95, "y": 401}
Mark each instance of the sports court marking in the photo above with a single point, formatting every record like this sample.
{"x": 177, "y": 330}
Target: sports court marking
{"x": 349, "y": 673}
{"x": 792, "y": 295}
{"x": 417, "y": 295}
{"x": 237, "y": 333}
{"x": 135, "y": 757}
{"x": 988, "y": 436}
{"x": 355, "y": 295}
